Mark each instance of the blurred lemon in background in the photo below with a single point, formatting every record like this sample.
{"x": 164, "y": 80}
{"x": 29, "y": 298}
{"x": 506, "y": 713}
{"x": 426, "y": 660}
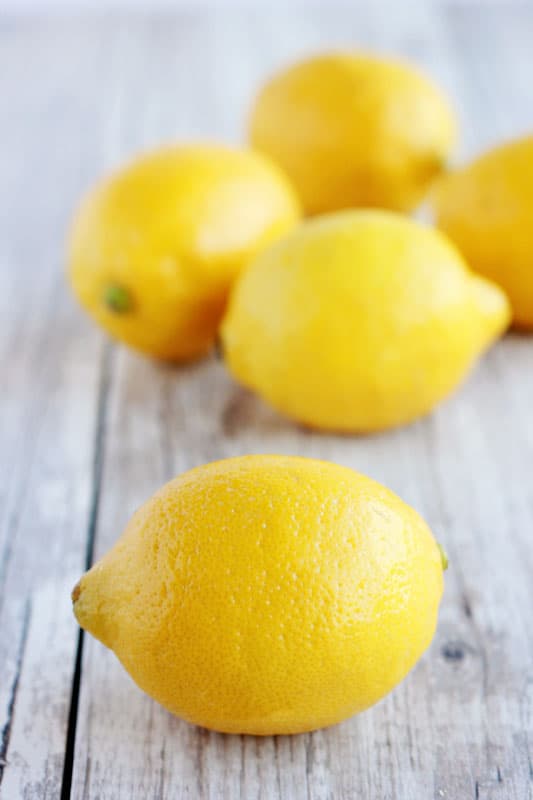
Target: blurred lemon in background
{"x": 359, "y": 321}
{"x": 354, "y": 130}
{"x": 267, "y": 594}
{"x": 487, "y": 209}
{"x": 155, "y": 247}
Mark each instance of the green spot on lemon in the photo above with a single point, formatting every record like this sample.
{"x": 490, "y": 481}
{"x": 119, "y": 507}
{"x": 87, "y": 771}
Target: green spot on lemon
{"x": 443, "y": 557}
{"x": 117, "y": 299}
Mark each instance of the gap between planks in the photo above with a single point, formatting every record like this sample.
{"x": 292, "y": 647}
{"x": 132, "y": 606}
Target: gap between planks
{"x": 97, "y": 472}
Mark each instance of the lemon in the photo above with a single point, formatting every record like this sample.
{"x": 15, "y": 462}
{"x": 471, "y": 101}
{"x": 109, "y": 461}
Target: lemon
{"x": 354, "y": 130}
{"x": 487, "y": 209}
{"x": 267, "y": 594}
{"x": 154, "y": 248}
{"x": 358, "y": 321}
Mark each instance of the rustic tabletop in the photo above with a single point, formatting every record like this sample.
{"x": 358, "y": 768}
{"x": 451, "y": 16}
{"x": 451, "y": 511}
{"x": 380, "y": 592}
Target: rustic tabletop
{"x": 89, "y": 430}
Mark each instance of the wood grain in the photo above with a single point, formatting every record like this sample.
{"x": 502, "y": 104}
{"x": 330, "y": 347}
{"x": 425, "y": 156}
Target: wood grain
{"x": 88, "y": 430}
{"x": 50, "y": 368}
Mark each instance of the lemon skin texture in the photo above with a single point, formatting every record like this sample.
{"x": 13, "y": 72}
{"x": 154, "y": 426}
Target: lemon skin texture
{"x": 154, "y": 248}
{"x": 267, "y": 594}
{"x": 359, "y": 321}
{"x": 487, "y": 210}
{"x": 352, "y": 130}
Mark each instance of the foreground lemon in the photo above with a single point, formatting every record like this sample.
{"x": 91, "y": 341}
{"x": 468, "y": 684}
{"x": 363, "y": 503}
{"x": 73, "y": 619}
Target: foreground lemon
{"x": 358, "y": 321}
{"x": 155, "y": 247}
{"x": 354, "y": 130}
{"x": 487, "y": 209}
{"x": 267, "y": 594}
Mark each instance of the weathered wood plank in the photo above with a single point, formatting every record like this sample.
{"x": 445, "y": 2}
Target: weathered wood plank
{"x": 458, "y": 727}
{"x": 50, "y": 362}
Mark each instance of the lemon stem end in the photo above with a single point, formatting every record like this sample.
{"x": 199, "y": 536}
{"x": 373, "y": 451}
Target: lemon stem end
{"x": 443, "y": 557}
{"x": 117, "y": 299}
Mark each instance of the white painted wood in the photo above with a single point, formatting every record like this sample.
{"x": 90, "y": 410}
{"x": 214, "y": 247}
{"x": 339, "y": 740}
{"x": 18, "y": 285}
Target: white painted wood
{"x": 50, "y": 363}
{"x": 461, "y": 725}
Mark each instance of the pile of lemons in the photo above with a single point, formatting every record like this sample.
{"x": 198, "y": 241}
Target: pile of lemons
{"x": 275, "y": 594}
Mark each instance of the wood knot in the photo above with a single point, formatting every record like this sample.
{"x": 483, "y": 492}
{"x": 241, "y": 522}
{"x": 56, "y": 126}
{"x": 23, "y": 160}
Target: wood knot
{"x": 453, "y": 651}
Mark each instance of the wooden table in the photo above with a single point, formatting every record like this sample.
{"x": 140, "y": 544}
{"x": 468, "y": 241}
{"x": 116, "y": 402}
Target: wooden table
{"x": 88, "y": 430}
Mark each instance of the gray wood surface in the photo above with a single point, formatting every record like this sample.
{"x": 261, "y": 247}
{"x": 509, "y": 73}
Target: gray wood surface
{"x": 88, "y": 430}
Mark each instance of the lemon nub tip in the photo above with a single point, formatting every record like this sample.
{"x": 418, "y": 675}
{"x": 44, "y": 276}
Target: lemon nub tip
{"x": 492, "y": 303}
{"x": 117, "y": 299}
{"x": 443, "y": 557}
{"x": 76, "y": 592}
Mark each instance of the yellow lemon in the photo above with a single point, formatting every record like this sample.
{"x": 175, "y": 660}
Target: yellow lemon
{"x": 358, "y": 321}
{"x": 487, "y": 210}
{"x": 154, "y": 248}
{"x": 267, "y": 594}
{"x": 354, "y": 130}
